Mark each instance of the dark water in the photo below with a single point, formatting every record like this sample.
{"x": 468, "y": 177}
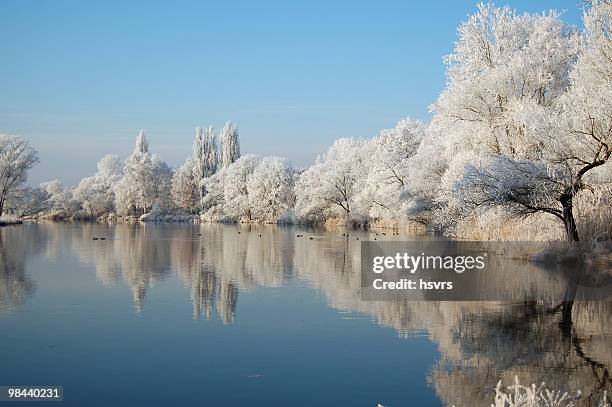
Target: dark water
{"x": 204, "y": 315}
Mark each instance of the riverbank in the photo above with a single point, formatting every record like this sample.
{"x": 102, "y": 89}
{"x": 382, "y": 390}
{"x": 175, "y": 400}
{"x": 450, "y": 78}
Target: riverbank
{"x": 9, "y": 220}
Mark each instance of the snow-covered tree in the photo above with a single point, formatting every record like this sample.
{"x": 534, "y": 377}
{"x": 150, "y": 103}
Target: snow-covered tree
{"x": 390, "y": 169}
{"x": 330, "y": 188}
{"x": 230, "y": 146}
{"x": 60, "y": 200}
{"x": 214, "y": 197}
{"x": 96, "y": 193}
{"x": 205, "y": 157}
{"x": 17, "y": 157}
{"x": 571, "y": 136}
{"x": 237, "y": 203}
{"x": 501, "y": 61}
{"x": 270, "y": 189}
{"x": 27, "y": 202}
{"x": 146, "y": 181}
{"x": 142, "y": 144}
{"x": 211, "y": 151}
{"x": 424, "y": 192}
{"x": 585, "y": 123}
{"x": 185, "y": 191}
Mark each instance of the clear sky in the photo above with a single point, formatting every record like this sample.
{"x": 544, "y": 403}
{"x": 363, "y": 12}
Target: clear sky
{"x": 79, "y": 79}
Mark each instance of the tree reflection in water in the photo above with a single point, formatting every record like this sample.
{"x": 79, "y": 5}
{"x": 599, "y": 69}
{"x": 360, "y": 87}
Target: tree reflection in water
{"x": 17, "y": 243}
{"x": 567, "y": 344}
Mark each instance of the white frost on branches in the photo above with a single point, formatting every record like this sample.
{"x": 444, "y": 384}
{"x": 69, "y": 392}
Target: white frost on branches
{"x": 230, "y": 145}
{"x": 16, "y": 159}
{"x": 331, "y": 187}
{"x": 526, "y": 117}
{"x": 95, "y": 194}
{"x": 145, "y": 182}
{"x": 271, "y": 189}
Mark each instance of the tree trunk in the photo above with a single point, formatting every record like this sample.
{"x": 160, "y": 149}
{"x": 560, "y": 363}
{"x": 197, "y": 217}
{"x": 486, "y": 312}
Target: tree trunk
{"x": 566, "y": 311}
{"x": 571, "y": 232}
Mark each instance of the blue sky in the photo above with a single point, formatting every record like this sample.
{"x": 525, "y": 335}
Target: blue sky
{"x": 79, "y": 79}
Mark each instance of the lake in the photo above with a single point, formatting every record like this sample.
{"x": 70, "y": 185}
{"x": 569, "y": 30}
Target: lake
{"x": 207, "y": 315}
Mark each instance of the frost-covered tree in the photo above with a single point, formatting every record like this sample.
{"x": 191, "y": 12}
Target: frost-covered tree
{"x": 213, "y": 201}
{"x": 330, "y": 188}
{"x": 390, "y": 169}
{"x": 211, "y": 152}
{"x": 17, "y": 157}
{"x": 185, "y": 191}
{"x": 270, "y": 189}
{"x": 146, "y": 181}
{"x": 27, "y": 202}
{"x": 60, "y": 199}
{"x": 142, "y": 144}
{"x": 230, "y": 145}
{"x": 423, "y": 194}
{"x": 501, "y": 61}
{"x": 205, "y": 157}
{"x": 237, "y": 203}
{"x": 96, "y": 193}
{"x": 573, "y": 135}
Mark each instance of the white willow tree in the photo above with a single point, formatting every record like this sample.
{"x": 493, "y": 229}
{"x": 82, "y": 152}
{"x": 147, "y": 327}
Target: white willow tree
{"x": 146, "y": 181}
{"x": 17, "y": 157}
{"x": 270, "y": 189}
{"x": 569, "y": 138}
{"x": 230, "y": 145}
{"x": 96, "y": 194}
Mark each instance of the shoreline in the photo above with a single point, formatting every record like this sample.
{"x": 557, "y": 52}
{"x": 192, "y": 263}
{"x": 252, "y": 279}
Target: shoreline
{"x": 10, "y": 222}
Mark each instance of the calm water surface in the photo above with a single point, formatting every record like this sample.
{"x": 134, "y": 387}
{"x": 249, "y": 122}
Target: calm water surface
{"x": 207, "y": 315}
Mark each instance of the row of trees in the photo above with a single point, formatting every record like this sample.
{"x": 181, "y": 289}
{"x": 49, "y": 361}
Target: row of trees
{"x": 523, "y": 127}
{"x": 144, "y": 185}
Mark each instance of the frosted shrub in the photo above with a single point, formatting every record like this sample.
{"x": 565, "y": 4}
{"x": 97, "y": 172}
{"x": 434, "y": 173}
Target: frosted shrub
{"x": 518, "y": 395}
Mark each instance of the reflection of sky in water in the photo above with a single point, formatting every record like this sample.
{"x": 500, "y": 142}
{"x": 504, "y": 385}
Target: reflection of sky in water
{"x": 158, "y": 312}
